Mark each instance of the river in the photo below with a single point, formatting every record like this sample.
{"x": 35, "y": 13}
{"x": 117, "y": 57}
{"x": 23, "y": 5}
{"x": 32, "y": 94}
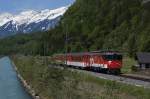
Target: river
{"x": 10, "y": 86}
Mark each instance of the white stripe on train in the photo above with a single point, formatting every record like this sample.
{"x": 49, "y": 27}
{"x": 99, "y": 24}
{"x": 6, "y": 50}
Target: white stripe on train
{"x": 82, "y": 64}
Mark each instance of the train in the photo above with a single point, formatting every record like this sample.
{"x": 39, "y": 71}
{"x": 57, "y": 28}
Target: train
{"x": 107, "y": 61}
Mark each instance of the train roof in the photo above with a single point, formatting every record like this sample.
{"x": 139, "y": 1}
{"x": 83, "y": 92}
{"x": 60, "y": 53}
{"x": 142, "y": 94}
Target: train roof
{"x": 95, "y": 53}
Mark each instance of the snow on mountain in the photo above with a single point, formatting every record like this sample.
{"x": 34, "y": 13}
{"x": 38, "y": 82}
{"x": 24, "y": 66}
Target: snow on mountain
{"x": 4, "y": 18}
{"x": 30, "y": 21}
{"x": 48, "y": 14}
{"x": 24, "y": 17}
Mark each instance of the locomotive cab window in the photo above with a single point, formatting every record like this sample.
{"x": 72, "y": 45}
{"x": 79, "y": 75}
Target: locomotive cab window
{"x": 112, "y": 57}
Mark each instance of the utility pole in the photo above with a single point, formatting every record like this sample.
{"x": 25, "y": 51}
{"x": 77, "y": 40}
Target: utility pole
{"x": 66, "y": 44}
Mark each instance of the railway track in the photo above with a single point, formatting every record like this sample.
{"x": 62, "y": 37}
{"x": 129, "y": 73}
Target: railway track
{"x": 137, "y": 77}
{"x": 130, "y": 80}
{"x": 123, "y": 78}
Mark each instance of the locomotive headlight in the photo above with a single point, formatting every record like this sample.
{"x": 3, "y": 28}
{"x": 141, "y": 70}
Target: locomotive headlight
{"x": 109, "y": 62}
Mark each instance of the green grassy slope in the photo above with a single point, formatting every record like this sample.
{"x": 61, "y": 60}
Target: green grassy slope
{"x": 59, "y": 83}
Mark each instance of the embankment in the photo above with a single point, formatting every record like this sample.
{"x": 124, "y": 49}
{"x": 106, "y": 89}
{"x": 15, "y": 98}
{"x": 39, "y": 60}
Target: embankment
{"x": 61, "y": 83}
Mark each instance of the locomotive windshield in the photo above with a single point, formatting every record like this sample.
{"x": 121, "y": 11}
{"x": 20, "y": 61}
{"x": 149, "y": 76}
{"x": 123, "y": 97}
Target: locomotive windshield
{"x": 113, "y": 57}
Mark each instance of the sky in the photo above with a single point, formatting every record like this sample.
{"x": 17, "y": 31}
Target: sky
{"x": 16, "y": 6}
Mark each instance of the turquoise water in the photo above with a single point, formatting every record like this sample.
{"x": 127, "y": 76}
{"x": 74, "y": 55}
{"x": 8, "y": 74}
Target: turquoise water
{"x": 10, "y": 86}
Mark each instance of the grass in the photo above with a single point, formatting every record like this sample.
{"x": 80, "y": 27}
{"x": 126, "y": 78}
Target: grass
{"x": 61, "y": 83}
{"x": 127, "y": 64}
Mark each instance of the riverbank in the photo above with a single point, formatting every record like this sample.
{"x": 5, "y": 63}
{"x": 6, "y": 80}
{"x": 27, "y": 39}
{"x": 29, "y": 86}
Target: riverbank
{"x": 59, "y": 83}
{"x": 27, "y": 87}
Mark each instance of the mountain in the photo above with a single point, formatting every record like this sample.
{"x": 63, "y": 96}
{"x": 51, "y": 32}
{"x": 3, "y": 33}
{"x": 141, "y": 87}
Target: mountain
{"x": 90, "y": 25}
{"x": 122, "y": 25}
{"x": 30, "y": 21}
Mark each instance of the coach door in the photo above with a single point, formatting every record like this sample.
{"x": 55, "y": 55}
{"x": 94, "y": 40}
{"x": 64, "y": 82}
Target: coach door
{"x": 91, "y": 60}
{"x": 86, "y": 60}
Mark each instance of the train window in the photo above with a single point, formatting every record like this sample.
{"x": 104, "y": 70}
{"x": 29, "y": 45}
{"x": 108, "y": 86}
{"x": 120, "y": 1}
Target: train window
{"x": 112, "y": 57}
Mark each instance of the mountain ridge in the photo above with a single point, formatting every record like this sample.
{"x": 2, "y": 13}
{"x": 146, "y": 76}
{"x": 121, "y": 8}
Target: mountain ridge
{"x": 30, "y": 21}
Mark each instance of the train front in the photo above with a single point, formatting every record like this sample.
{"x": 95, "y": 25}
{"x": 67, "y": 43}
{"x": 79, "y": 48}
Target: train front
{"x": 113, "y": 61}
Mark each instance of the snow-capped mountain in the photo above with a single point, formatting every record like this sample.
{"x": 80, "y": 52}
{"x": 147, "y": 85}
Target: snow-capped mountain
{"x": 29, "y": 21}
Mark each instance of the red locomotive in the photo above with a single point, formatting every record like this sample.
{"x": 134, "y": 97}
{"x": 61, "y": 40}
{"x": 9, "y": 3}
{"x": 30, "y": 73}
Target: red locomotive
{"x": 108, "y": 61}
